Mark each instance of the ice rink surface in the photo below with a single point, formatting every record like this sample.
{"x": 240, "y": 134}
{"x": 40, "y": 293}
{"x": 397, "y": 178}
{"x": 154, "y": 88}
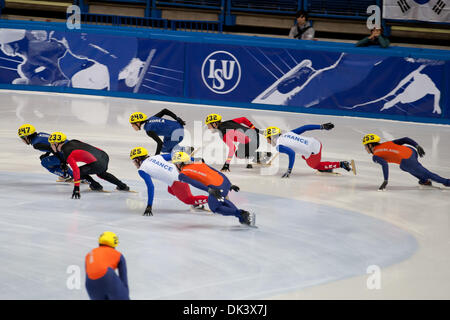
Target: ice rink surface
{"x": 318, "y": 236}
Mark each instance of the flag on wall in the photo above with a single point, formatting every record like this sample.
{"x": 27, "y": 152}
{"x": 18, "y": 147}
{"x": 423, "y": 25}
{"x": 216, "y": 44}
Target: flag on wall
{"x": 421, "y": 10}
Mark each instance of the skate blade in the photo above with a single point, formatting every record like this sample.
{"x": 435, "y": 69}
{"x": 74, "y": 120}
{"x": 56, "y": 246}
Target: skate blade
{"x": 200, "y": 210}
{"x": 431, "y": 187}
{"x": 132, "y": 191}
{"x": 328, "y": 173}
{"x": 353, "y": 167}
{"x": 104, "y": 191}
{"x": 253, "y": 222}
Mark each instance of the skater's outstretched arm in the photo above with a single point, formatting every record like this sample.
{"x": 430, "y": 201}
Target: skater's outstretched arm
{"x": 289, "y": 152}
{"x": 167, "y": 112}
{"x": 43, "y": 147}
{"x": 411, "y": 142}
{"x": 406, "y": 140}
{"x": 184, "y": 178}
{"x": 150, "y": 187}
{"x": 154, "y": 136}
{"x": 384, "y": 165}
{"x": 308, "y": 127}
{"x": 244, "y": 121}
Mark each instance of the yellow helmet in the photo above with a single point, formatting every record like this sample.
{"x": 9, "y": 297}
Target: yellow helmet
{"x": 138, "y": 152}
{"x": 108, "y": 238}
{"x": 138, "y": 117}
{"x": 180, "y": 156}
{"x": 370, "y": 138}
{"x": 57, "y": 137}
{"x": 26, "y": 130}
{"x": 271, "y": 131}
{"x": 210, "y": 118}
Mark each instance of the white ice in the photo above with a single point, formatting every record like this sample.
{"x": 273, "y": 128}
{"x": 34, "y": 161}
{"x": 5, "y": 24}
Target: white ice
{"x": 318, "y": 236}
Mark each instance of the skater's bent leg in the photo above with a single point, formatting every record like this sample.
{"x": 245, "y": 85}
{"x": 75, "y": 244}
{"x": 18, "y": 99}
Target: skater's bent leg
{"x": 327, "y": 165}
{"x": 116, "y": 290}
{"x": 226, "y": 207}
{"x": 182, "y": 191}
{"x": 53, "y": 165}
{"x": 315, "y": 162}
{"x": 415, "y": 168}
{"x": 110, "y": 178}
{"x": 86, "y": 171}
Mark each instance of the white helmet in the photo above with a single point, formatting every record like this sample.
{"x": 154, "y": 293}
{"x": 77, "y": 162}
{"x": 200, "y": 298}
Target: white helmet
{"x": 11, "y": 35}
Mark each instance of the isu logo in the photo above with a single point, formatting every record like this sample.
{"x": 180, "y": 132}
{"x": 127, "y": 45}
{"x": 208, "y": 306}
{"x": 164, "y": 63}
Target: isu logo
{"x": 221, "y": 72}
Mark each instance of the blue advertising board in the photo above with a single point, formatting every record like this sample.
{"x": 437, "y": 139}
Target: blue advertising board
{"x": 317, "y": 79}
{"x": 225, "y": 70}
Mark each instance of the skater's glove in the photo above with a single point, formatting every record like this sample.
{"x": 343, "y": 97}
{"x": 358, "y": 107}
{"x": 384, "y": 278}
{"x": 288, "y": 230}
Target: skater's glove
{"x": 215, "y": 193}
{"x": 226, "y": 167}
{"x": 234, "y": 188}
{"x": 148, "y": 211}
{"x": 256, "y": 129}
{"x": 383, "y": 185}
{"x": 327, "y": 126}
{"x": 420, "y": 151}
{"x": 180, "y": 121}
{"x": 287, "y": 173}
{"x": 76, "y": 192}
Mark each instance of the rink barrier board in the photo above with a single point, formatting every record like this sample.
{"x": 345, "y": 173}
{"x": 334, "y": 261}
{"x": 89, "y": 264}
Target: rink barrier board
{"x": 213, "y": 103}
{"x": 235, "y": 40}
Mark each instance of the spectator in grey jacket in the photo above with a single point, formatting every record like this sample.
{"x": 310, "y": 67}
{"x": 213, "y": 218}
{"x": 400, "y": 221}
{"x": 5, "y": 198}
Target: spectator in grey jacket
{"x": 302, "y": 29}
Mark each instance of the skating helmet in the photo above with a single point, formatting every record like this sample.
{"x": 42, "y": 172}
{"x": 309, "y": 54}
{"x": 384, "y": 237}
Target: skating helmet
{"x": 370, "y": 138}
{"x": 57, "y": 137}
{"x": 138, "y": 117}
{"x": 108, "y": 238}
{"x": 272, "y": 131}
{"x": 26, "y": 130}
{"x": 210, "y": 118}
{"x": 138, "y": 152}
{"x": 179, "y": 157}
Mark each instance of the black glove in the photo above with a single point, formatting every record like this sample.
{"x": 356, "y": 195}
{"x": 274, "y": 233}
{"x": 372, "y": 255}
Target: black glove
{"x": 234, "y": 188}
{"x": 383, "y": 185}
{"x": 287, "y": 173}
{"x": 226, "y": 167}
{"x": 215, "y": 193}
{"x": 256, "y": 129}
{"x": 148, "y": 211}
{"x": 420, "y": 151}
{"x": 180, "y": 121}
{"x": 44, "y": 155}
{"x": 76, "y": 192}
{"x": 327, "y": 126}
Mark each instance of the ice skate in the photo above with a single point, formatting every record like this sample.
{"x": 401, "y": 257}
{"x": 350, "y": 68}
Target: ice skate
{"x": 95, "y": 186}
{"x": 123, "y": 187}
{"x": 247, "y": 218}
{"x": 199, "y": 207}
{"x": 263, "y": 157}
{"x": 426, "y": 183}
{"x": 68, "y": 179}
{"x": 349, "y": 166}
{"x": 328, "y": 172}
